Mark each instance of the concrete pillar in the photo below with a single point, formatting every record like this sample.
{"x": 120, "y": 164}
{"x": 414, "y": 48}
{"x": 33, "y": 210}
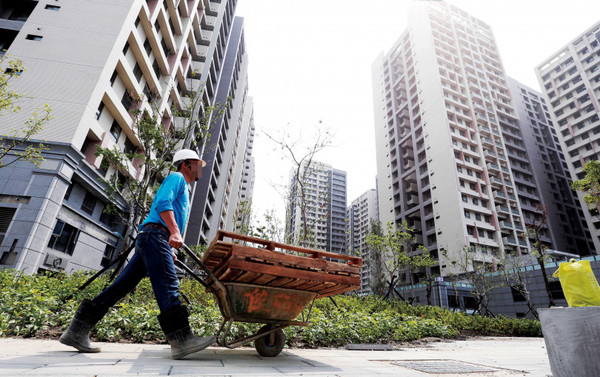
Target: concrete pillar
{"x": 572, "y": 337}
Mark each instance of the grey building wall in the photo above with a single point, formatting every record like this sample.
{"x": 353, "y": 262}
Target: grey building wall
{"x": 456, "y": 295}
{"x": 541, "y": 174}
{"x": 86, "y": 59}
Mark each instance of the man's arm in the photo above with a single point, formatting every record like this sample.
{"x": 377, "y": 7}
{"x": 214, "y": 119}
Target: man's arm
{"x": 175, "y": 239}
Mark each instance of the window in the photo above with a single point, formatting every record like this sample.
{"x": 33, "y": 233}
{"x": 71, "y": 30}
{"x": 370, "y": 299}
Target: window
{"x": 89, "y": 202}
{"x": 115, "y": 130}
{"x": 126, "y": 48}
{"x": 33, "y": 37}
{"x": 516, "y": 294}
{"x": 464, "y": 198}
{"x": 99, "y": 111}
{"x": 113, "y": 78}
{"x": 13, "y": 72}
{"x": 6, "y": 216}
{"x": 147, "y": 47}
{"x": 64, "y": 237}
{"x": 109, "y": 252}
{"x": 52, "y": 7}
{"x": 69, "y": 190}
{"x": 467, "y": 214}
{"x": 137, "y": 72}
{"x": 129, "y": 147}
{"x": 156, "y": 69}
{"x": 127, "y": 101}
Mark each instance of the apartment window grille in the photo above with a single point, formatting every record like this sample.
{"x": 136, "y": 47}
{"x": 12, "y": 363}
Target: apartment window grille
{"x": 63, "y": 238}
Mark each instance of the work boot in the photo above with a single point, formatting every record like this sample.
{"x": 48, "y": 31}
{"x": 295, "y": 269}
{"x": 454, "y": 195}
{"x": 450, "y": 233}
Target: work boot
{"x": 77, "y": 335}
{"x": 174, "y": 323}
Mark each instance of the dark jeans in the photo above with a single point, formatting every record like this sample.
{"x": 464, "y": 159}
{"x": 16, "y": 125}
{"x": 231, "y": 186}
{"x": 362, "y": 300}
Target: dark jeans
{"x": 152, "y": 258}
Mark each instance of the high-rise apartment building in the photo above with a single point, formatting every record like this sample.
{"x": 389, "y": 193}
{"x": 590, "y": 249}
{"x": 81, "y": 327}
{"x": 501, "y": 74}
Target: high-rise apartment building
{"x": 441, "y": 100}
{"x": 570, "y": 81}
{"x": 92, "y": 62}
{"x": 361, "y": 212}
{"x": 541, "y": 176}
{"x": 321, "y": 195}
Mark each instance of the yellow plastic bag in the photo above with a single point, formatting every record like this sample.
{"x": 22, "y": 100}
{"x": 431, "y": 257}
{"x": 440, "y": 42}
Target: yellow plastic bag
{"x": 578, "y": 283}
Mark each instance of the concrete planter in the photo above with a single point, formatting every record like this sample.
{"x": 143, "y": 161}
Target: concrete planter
{"x": 572, "y": 337}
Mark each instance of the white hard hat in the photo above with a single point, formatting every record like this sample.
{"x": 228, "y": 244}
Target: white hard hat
{"x": 187, "y": 154}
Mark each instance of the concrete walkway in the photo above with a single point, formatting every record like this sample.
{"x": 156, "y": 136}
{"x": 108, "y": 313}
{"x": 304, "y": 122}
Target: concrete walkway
{"x": 491, "y": 357}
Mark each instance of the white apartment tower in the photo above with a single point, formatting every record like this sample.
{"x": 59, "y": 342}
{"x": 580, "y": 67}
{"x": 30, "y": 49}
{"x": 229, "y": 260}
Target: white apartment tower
{"x": 441, "y": 98}
{"x": 361, "y": 212}
{"x": 570, "y": 81}
{"x": 324, "y": 191}
{"x": 92, "y": 62}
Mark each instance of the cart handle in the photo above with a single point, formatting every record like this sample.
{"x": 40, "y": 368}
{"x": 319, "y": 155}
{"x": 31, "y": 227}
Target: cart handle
{"x": 203, "y": 267}
{"x": 271, "y": 245}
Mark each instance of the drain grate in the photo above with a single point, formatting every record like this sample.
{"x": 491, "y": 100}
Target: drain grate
{"x": 369, "y": 347}
{"x": 442, "y": 366}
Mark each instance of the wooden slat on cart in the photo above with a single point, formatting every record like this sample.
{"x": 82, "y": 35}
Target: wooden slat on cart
{"x": 231, "y": 262}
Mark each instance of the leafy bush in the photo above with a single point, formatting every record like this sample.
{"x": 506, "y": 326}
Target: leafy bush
{"x": 42, "y": 305}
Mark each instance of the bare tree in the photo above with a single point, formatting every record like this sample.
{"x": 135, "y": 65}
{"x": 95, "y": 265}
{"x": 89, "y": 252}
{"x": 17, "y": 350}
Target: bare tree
{"x": 392, "y": 250}
{"x": 479, "y": 274}
{"x": 535, "y": 232}
{"x": 514, "y": 273}
{"x": 301, "y": 152}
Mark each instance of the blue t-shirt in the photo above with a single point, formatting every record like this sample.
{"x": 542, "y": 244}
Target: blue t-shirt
{"x": 173, "y": 195}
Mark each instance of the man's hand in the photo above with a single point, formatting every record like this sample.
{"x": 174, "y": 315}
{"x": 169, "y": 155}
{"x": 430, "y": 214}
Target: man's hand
{"x": 175, "y": 240}
{"x": 174, "y": 255}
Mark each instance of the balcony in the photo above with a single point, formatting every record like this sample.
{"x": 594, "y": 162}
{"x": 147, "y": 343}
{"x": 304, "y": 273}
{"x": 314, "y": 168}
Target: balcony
{"x": 509, "y": 241}
{"x": 499, "y": 195}
{"x": 502, "y": 209}
{"x": 493, "y": 167}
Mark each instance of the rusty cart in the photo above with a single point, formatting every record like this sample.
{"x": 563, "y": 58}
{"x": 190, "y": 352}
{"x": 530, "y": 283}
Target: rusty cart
{"x": 260, "y": 281}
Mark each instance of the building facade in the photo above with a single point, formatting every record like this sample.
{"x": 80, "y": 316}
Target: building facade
{"x": 541, "y": 175}
{"x": 441, "y": 98}
{"x": 361, "y": 212}
{"x": 570, "y": 82}
{"x": 93, "y": 62}
{"x": 322, "y": 189}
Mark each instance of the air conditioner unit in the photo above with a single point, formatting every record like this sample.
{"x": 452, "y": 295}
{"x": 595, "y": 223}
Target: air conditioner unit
{"x": 56, "y": 262}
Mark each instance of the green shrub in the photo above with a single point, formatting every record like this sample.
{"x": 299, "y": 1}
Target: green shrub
{"x": 32, "y": 305}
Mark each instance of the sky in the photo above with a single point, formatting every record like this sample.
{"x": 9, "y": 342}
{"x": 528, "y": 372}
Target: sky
{"x": 310, "y": 63}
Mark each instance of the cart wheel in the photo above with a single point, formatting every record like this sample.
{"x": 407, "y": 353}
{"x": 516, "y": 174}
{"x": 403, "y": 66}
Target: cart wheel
{"x": 269, "y": 345}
